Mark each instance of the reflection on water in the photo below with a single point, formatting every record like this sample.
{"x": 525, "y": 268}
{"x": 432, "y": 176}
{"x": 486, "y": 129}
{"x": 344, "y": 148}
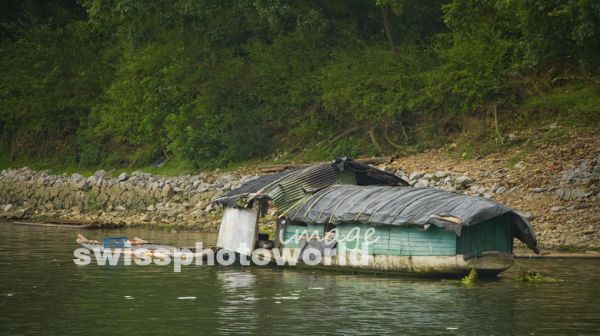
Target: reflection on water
{"x": 43, "y": 292}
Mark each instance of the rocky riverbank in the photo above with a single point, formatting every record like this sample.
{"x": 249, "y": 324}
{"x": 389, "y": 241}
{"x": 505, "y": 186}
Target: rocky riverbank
{"x": 557, "y": 187}
{"x": 138, "y": 199}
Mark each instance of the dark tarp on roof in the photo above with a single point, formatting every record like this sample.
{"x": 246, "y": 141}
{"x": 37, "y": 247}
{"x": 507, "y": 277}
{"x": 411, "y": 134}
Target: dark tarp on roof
{"x": 290, "y": 186}
{"x": 384, "y": 205}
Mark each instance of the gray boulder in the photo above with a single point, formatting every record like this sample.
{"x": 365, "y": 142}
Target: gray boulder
{"x": 422, "y": 183}
{"x": 501, "y": 190}
{"x": 463, "y": 180}
{"x": 415, "y": 175}
{"x": 441, "y": 174}
{"x": 123, "y": 177}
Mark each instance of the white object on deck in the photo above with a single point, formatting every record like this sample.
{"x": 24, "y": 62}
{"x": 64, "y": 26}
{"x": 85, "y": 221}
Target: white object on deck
{"x": 238, "y": 227}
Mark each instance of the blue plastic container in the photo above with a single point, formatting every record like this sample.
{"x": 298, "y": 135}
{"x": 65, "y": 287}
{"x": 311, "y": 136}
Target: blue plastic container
{"x": 115, "y": 242}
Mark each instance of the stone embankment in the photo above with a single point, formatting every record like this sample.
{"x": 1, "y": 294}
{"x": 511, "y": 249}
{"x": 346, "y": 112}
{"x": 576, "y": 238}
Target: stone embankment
{"x": 557, "y": 187}
{"x": 180, "y": 202}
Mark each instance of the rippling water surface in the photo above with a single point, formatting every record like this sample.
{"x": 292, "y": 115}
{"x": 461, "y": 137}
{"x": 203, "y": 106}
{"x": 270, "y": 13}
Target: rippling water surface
{"x": 43, "y": 292}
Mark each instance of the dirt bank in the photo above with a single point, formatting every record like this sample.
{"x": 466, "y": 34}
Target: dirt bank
{"x": 556, "y": 186}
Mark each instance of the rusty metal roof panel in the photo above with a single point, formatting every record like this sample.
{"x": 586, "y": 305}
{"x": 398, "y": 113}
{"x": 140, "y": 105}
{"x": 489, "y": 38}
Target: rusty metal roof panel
{"x": 287, "y": 188}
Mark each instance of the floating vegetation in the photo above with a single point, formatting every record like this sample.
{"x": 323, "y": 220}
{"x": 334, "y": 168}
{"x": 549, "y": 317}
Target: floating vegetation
{"x": 533, "y": 276}
{"x": 470, "y": 279}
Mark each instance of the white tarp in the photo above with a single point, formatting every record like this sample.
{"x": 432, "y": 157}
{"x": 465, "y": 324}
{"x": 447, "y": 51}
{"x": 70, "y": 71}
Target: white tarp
{"x": 238, "y": 227}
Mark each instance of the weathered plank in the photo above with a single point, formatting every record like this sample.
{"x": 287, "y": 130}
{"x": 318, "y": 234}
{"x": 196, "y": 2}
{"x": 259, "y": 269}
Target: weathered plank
{"x": 281, "y": 167}
{"x": 73, "y": 226}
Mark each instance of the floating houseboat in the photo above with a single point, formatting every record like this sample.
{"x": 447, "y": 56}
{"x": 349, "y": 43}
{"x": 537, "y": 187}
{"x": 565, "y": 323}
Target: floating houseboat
{"x": 346, "y": 206}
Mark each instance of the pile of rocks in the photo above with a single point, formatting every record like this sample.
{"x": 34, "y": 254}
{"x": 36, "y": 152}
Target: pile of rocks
{"x": 577, "y": 183}
{"x": 127, "y": 199}
{"x": 556, "y": 187}
{"x": 455, "y": 182}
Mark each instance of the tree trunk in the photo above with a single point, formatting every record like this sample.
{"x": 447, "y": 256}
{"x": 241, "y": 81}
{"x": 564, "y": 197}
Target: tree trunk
{"x": 30, "y": 11}
{"x": 374, "y": 141}
{"x": 387, "y": 138}
{"x": 386, "y": 12}
{"x": 495, "y": 113}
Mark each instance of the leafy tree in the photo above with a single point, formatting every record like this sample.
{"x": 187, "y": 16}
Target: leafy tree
{"x": 132, "y": 82}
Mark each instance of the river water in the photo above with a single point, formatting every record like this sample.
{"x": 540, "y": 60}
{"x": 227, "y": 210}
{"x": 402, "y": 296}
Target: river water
{"x": 43, "y": 292}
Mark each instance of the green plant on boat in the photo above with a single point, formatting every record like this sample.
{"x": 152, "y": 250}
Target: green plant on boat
{"x": 267, "y": 225}
{"x": 533, "y": 276}
{"x": 470, "y": 279}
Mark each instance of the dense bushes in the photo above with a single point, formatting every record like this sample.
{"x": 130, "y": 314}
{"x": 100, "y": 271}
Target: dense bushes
{"x": 131, "y": 83}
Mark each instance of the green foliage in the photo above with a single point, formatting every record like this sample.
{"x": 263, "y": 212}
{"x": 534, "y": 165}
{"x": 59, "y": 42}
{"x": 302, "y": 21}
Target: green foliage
{"x": 561, "y": 31}
{"x": 369, "y": 85}
{"x": 514, "y": 160}
{"x": 470, "y": 279}
{"x": 572, "y": 105}
{"x": 53, "y": 78}
{"x": 533, "y": 276}
{"x": 131, "y": 83}
{"x": 351, "y": 146}
{"x": 475, "y": 58}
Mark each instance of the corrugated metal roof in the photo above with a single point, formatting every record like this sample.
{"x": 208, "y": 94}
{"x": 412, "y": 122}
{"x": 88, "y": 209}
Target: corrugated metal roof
{"x": 288, "y": 188}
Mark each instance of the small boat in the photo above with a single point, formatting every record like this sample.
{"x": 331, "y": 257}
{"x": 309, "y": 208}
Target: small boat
{"x": 64, "y": 223}
{"x": 345, "y": 206}
{"x": 126, "y": 246}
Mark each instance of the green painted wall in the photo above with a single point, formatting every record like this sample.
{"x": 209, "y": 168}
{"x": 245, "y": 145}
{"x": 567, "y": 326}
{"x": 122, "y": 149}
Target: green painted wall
{"x": 291, "y": 229}
{"x": 403, "y": 241}
{"x": 491, "y": 235}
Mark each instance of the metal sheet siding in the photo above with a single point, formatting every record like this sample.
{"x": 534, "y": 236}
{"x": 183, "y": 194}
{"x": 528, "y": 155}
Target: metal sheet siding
{"x": 294, "y": 191}
{"x": 291, "y": 229}
{"x": 288, "y": 192}
{"x": 491, "y": 235}
{"x": 401, "y": 241}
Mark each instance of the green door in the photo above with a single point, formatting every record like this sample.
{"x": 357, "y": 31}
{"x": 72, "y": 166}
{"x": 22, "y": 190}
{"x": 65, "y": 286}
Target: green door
{"x": 491, "y": 235}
